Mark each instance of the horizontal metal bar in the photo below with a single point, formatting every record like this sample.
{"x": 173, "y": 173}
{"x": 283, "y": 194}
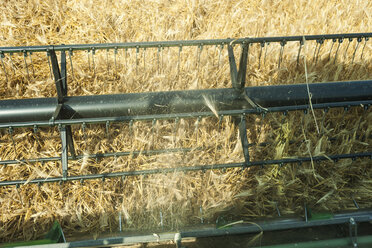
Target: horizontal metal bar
{"x": 309, "y": 159}
{"x": 265, "y": 225}
{"x": 135, "y": 153}
{"x": 178, "y": 43}
{"x": 98, "y": 156}
{"x": 330, "y": 139}
{"x": 182, "y": 104}
{"x": 191, "y": 168}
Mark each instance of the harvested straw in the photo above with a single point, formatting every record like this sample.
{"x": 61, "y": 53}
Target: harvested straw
{"x": 182, "y": 199}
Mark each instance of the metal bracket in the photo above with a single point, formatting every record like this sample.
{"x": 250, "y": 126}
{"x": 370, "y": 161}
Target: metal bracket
{"x": 238, "y": 77}
{"x": 57, "y": 112}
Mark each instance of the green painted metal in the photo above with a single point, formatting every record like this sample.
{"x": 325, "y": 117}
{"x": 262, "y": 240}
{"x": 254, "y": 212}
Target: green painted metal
{"x": 55, "y": 235}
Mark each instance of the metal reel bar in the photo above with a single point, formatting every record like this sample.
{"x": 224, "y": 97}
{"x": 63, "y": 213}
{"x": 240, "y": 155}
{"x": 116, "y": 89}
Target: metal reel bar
{"x": 67, "y": 142}
{"x": 239, "y": 102}
{"x": 98, "y": 156}
{"x": 240, "y": 122}
{"x": 280, "y": 162}
{"x": 198, "y": 43}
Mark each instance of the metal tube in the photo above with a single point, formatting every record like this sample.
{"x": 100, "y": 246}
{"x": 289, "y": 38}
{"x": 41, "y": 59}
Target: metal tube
{"x": 130, "y": 119}
{"x": 175, "y": 102}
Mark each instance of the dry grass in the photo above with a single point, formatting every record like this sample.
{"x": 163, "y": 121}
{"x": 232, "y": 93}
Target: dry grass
{"x": 27, "y": 212}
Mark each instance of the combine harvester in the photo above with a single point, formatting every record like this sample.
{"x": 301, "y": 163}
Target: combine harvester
{"x": 237, "y": 102}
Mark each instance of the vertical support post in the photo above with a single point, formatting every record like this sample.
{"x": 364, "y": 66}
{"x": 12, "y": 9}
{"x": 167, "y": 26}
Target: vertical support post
{"x": 233, "y": 69}
{"x": 243, "y": 65}
{"x": 238, "y": 83}
{"x": 120, "y": 225}
{"x": 70, "y": 142}
{"x": 64, "y": 157}
{"x": 60, "y": 78}
{"x": 63, "y": 73}
{"x": 277, "y": 209}
{"x": 353, "y": 232}
{"x": 57, "y": 76}
{"x": 306, "y": 213}
{"x": 244, "y": 139}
